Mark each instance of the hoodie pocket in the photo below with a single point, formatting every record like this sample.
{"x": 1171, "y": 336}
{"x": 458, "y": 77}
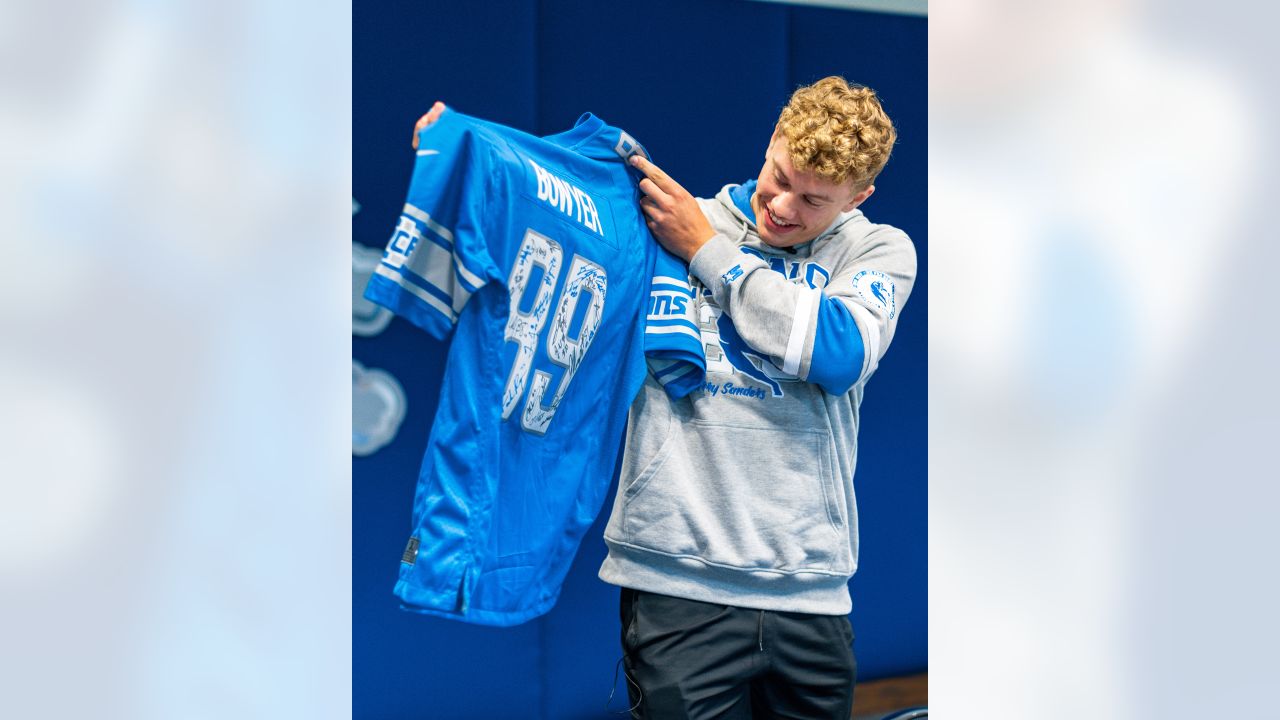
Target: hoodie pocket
{"x": 744, "y": 497}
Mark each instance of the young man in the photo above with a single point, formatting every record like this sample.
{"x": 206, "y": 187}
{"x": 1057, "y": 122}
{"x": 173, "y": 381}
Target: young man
{"x": 734, "y": 531}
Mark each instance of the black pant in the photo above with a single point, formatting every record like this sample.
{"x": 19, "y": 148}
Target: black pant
{"x": 695, "y": 660}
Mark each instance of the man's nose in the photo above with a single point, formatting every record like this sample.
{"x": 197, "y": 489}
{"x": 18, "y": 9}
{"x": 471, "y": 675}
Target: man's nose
{"x": 784, "y": 204}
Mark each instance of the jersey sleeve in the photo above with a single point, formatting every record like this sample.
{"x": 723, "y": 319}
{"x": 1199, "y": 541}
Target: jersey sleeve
{"x": 832, "y": 336}
{"x": 672, "y": 342}
{"x": 437, "y": 258}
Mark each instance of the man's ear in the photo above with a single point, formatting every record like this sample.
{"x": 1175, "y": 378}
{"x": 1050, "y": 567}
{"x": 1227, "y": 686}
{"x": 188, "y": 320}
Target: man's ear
{"x": 859, "y": 198}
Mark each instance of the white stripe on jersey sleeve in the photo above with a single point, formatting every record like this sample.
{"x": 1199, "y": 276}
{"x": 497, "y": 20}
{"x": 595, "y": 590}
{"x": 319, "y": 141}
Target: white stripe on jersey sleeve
{"x": 435, "y": 265}
{"x": 417, "y": 292}
{"x": 668, "y": 284}
{"x": 425, "y": 218}
{"x": 667, "y": 329}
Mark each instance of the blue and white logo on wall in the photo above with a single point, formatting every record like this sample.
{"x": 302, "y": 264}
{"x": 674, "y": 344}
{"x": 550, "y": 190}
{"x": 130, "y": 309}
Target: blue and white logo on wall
{"x": 377, "y": 408}
{"x": 366, "y": 317}
{"x": 876, "y": 288}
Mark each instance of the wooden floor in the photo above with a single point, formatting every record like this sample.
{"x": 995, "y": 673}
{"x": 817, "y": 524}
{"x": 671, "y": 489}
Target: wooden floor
{"x": 872, "y": 699}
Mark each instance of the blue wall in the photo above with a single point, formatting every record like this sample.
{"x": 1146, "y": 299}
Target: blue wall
{"x": 700, "y": 84}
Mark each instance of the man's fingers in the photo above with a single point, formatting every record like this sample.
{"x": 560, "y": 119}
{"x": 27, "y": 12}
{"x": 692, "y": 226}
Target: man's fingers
{"x": 651, "y": 189}
{"x": 431, "y": 116}
{"x": 653, "y": 172}
{"x": 650, "y": 170}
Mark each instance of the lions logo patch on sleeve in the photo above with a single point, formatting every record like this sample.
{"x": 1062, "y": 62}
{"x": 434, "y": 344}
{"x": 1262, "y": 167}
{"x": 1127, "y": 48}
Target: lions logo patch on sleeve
{"x": 731, "y": 274}
{"x": 876, "y": 288}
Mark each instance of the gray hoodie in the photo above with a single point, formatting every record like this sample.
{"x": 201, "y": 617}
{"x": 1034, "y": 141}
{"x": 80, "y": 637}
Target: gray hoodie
{"x": 742, "y": 493}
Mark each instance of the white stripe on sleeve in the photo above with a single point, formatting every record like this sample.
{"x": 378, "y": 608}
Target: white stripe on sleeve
{"x": 417, "y": 292}
{"x": 799, "y": 329}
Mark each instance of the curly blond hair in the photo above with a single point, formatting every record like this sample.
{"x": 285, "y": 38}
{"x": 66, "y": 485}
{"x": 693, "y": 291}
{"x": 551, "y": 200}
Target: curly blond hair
{"x": 838, "y": 131}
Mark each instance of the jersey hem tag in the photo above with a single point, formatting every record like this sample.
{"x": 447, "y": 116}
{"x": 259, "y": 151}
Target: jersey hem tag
{"x": 410, "y": 552}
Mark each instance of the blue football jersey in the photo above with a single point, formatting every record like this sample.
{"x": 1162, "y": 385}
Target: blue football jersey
{"x": 533, "y": 253}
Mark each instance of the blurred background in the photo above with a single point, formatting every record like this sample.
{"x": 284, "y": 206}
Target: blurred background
{"x": 175, "y": 482}
{"x": 1102, "y": 359}
{"x": 700, "y": 84}
{"x": 174, "y": 472}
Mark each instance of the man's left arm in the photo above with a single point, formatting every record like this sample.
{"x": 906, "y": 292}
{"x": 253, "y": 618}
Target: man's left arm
{"x": 833, "y": 336}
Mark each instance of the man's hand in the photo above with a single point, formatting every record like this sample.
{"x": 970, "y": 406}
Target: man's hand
{"x": 432, "y": 115}
{"x": 671, "y": 213}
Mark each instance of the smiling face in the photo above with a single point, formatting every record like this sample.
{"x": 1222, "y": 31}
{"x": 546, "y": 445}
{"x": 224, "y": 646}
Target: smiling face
{"x": 795, "y": 206}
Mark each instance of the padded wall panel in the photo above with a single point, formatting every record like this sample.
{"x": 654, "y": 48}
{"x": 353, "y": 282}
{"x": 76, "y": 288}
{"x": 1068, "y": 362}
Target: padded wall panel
{"x": 696, "y": 82}
{"x": 890, "y": 590}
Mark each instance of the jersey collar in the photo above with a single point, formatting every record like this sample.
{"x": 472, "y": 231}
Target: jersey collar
{"x": 591, "y": 137}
